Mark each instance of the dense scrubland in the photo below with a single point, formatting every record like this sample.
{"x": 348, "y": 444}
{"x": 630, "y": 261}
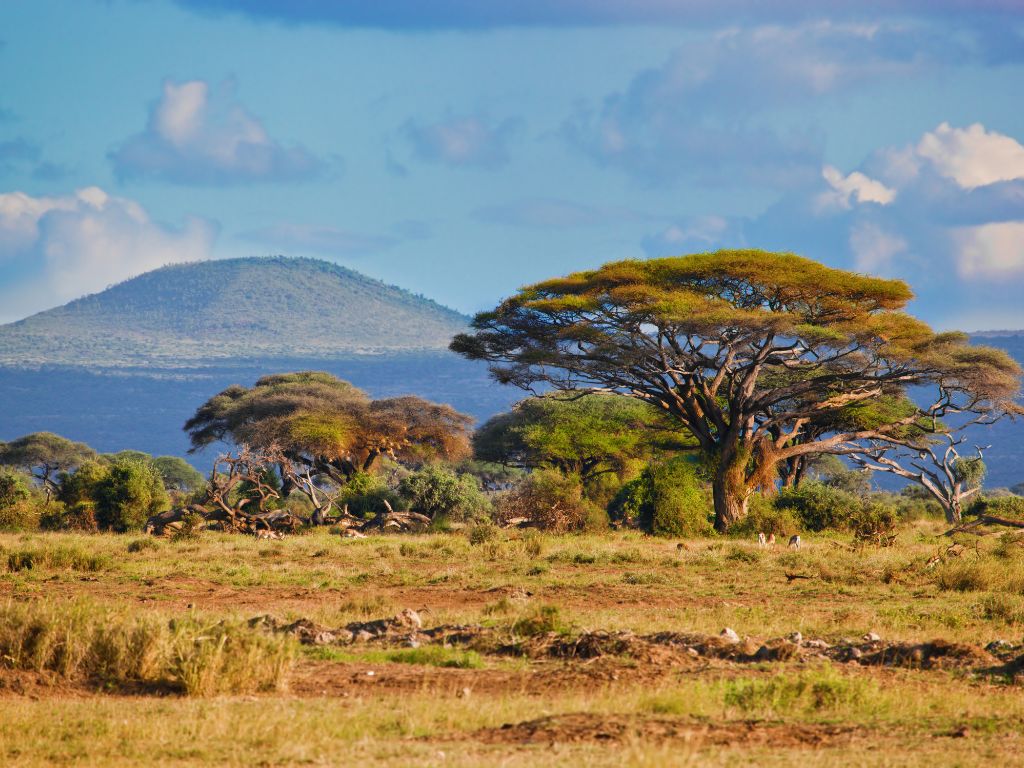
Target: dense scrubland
{"x": 673, "y": 552}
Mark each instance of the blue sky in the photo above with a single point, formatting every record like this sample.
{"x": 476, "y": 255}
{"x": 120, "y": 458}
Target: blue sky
{"x": 461, "y": 148}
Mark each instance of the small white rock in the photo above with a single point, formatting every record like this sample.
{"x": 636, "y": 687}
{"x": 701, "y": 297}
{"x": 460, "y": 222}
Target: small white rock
{"x": 796, "y": 637}
{"x": 730, "y": 634}
{"x": 871, "y": 637}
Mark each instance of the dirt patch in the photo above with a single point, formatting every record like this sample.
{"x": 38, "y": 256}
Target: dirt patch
{"x": 580, "y": 727}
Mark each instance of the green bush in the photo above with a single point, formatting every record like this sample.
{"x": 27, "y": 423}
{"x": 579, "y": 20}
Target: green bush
{"x": 1001, "y": 506}
{"x": 80, "y": 487}
{"x": 819, "y": 506}
{"x": 435, "y": 491}
{"x": 667, "y": 499}
{"x": 20, "y": 505}
{"x": 129, "y": 495}
{"x": 365, "y": 494}
{"x": 763, "y": 516}
{"x": 546, "y": 499}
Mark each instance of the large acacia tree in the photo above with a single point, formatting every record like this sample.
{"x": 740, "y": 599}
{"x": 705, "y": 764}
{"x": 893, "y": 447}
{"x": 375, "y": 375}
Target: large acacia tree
{"x": 587, "y": 436}
{"x": 328, "y": 428}
{"x": 744, "y": 349}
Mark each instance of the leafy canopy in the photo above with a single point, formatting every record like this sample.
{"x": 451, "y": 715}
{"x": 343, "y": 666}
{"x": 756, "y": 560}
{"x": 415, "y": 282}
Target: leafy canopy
{"x": 587, "y": 435}
{"x": 328, "y": 425}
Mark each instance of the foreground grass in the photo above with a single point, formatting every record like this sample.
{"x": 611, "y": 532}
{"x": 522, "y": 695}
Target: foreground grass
{"x": 906, "y": 720}
{"x": 103, "y": 618}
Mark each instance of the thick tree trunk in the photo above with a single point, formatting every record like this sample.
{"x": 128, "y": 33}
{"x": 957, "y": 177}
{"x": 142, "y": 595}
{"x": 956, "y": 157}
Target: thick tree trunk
{"x": 729, "y": 489}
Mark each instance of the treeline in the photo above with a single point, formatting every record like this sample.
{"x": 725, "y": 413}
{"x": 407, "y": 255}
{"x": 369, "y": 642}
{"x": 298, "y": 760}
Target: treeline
{"x": 319, "y": 448}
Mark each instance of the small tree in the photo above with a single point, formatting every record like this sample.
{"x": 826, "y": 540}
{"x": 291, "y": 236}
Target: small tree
{"x": 436, "y": 492}
{"x": 587, "y": 436}
{"x": 44, "y": 455}
{"x": 326, "y": 429}
{"x": 130, "y": 494}
{"x": 178, "y": 474}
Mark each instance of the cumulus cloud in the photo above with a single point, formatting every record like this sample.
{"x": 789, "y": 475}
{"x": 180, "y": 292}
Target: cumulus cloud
{"x": 462, "y": 141}
{"x": 292, "y": 238}
{"x": 473, "y": 14}
{"x": 80, "y": 243}
{"x": 198, "y": 135}
{"x": 972, "y": 157}
{"x": 993, "y": 250}
{"x": 855, "y": 187}
{"x": 873, "y": 248}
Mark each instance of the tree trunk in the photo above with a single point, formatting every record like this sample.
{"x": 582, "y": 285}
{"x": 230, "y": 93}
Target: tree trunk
{"x": 954, "y": 512}
{"x": 730, "y": 492}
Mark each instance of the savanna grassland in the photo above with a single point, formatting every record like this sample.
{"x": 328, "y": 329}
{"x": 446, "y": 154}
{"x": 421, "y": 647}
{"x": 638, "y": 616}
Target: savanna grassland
{"x": 524, "y": 649}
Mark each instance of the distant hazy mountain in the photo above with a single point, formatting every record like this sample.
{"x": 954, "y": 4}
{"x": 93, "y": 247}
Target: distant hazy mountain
{"x": 232, "y": 308}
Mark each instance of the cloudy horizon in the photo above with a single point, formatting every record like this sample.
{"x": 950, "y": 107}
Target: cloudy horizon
{"x": 461, "y": 149}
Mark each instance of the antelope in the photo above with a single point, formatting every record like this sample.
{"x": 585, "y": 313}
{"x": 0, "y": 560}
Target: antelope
{"x": 794, "y": 541}
{"x": 771, "y": 539}
{"x": 762, "y": 540}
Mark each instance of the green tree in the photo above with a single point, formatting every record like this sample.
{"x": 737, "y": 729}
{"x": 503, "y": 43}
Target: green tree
{"x": 44, "y": 455}
{"x": 436, "y": 491}
{"x": 178, "y": 474}
{"x": 744, "y": 349}
{"x": 667, "y": 499}
{"x": 128, "y": 495}
{"x": 586, "y": 436}
{"x": 329, "y": 428}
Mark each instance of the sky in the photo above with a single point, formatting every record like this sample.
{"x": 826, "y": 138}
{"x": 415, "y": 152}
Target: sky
{"x": 464, "y": 148}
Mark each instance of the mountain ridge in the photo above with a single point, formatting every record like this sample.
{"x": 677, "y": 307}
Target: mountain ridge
{"x": 271, "y": 306}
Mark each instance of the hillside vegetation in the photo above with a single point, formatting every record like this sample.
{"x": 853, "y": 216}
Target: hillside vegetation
{"x": 232, "y": 308}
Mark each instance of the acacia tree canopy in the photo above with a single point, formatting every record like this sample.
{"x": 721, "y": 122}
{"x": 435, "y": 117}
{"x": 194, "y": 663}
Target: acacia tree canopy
{"x": 328, "y": 427}
{"x": 586, "y": 436}
{"x": 706, "y": 338}
{"x": 44, "y": 455}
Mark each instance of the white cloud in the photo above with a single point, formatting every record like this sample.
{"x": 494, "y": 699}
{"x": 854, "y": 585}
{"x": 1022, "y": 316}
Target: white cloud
{"x": 873, "y": 248}
{"x": 991, "y": 250}
{"x": 199, "y": 136}
{"x": 81, "y": 243}
{"x": 856, "y": 185}
{"x": 972, "y": 156}
{"x": 470, "y": 140}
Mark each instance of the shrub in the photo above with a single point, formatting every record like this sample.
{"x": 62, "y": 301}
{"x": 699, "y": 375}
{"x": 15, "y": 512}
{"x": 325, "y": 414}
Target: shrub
{"x": 763, "y": 516}
{"x": 546, "y": 499}
{"x": 874, "y": 523}
{"x": 20, "y": 506}
{"x": 820, "y": 506}
{"x": 130, "y": 494}
{"x": 435, "y": 491}
{"x": 1002, "y": 506}
{"x": 667, "y": 499}
{"x": 365, "y": 494}
{"x": 81, "y": 486}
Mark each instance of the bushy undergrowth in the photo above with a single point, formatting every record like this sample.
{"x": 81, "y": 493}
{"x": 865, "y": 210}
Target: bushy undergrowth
{"x": 81, "y": 641}
{"x": 667, "y": 499}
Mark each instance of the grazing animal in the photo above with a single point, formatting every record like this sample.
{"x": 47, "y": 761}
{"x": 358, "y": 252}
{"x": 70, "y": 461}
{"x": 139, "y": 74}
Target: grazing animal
{"x": 762, "y": 540}
{"x": 771, "y": 539}
{"x": 269, "y": 535}
{"x": 794, "y": 541}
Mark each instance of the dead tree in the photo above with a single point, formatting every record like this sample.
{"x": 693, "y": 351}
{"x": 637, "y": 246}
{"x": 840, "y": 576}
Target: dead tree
{"x": 949, "y": 478}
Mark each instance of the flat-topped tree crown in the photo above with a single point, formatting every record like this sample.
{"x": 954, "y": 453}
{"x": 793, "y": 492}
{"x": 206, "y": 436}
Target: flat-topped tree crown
{"x": 744, "y": 348}
{"x": 328, "y": 426}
